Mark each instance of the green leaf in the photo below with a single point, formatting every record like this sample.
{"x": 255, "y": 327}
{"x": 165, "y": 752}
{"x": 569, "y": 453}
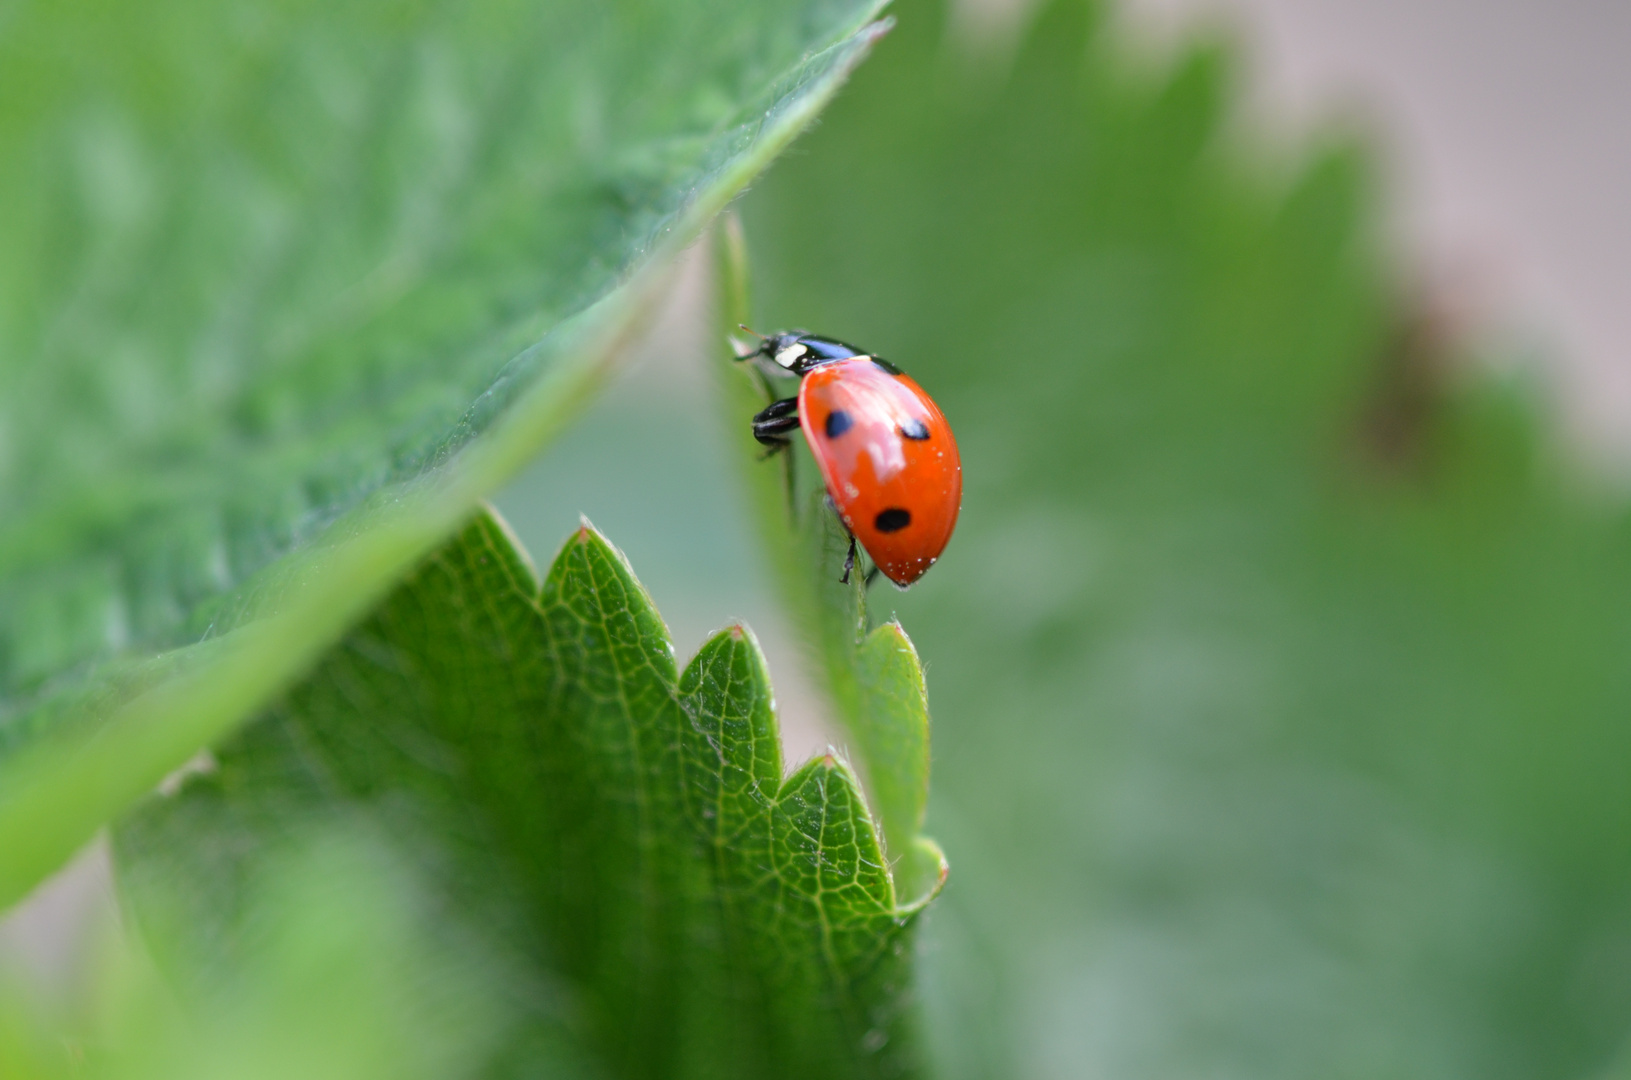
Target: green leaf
{"x": 620, "y": 828}
{"x": 343, "y": 977}
{"x": 285, "y": 290}
{"x": 1279, "y": 684}
{"x": 873, "y": 676}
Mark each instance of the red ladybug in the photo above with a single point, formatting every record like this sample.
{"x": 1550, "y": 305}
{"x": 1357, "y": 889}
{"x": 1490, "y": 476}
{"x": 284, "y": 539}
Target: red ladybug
{"x": 884, "y": 449}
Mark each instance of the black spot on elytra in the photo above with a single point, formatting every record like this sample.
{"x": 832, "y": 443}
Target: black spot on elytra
{"x": 914, "y": 429}
{"x": 893, "y": 519}
{"x": 838, "y": 422}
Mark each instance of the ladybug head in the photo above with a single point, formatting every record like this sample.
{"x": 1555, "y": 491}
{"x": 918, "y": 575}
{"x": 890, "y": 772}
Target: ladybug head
{"x": 787, "y": 351}
{"x": 784, "y": 348}
{"x": 798, "y": 351}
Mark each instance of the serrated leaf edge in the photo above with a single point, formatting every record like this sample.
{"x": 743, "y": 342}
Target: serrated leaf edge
{"x": 831, "y": 765}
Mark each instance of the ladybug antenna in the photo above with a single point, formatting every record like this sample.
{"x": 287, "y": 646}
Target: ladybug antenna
{"x": 740, "y": 346}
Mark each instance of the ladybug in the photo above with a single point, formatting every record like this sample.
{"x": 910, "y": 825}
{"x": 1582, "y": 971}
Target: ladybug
{"x": 884, "y": 449}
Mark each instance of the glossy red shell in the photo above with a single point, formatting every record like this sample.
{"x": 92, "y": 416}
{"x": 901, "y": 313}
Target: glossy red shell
{"x": 898, "y": 495}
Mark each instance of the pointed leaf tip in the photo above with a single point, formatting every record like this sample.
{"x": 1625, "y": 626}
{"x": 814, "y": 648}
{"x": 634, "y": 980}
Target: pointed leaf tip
{"x": 643, "y": 855}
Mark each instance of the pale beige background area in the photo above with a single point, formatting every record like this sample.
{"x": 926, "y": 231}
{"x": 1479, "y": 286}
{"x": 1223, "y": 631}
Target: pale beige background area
{"x": 1505, "y": 131}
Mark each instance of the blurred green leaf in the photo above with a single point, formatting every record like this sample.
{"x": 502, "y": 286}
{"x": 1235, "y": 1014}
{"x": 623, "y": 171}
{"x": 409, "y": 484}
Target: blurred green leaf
{"x": 872, "y": 675}
{"x": 1279, "y": 682}
{"x": 620, "y": 828}
{"x": 342, "y": 974}
{"x": 285, "y": 289}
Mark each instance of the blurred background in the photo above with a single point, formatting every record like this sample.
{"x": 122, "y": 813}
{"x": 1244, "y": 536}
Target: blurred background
{"x": 1279, "y": 667}
{"x": 1504, "y": 158}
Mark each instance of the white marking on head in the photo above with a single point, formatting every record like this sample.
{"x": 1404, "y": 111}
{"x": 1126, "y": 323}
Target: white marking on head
{"x": 790, "y": 355}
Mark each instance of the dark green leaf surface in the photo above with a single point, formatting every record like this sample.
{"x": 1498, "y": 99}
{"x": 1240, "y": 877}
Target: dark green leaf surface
{"x": 621, "y": 828}
{"x": 285, "y": 289}
{"x": 1280, "y": 690}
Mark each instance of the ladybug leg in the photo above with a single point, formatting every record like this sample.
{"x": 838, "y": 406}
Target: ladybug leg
{"x": 871, "y": 576}
{"x": 849, "y": 557}
{"x": 773, "y": 423}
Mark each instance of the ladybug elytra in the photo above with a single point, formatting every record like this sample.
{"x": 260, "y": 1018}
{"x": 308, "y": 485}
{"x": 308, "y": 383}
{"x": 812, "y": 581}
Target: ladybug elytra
{"x": 885, "y": 451}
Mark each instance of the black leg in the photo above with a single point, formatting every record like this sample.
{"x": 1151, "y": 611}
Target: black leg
{"x": 773, "y": 423}
{"x": 849, "y": 561}
{"x": 871, "y": 576}
{"x": 787, "y": 406}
